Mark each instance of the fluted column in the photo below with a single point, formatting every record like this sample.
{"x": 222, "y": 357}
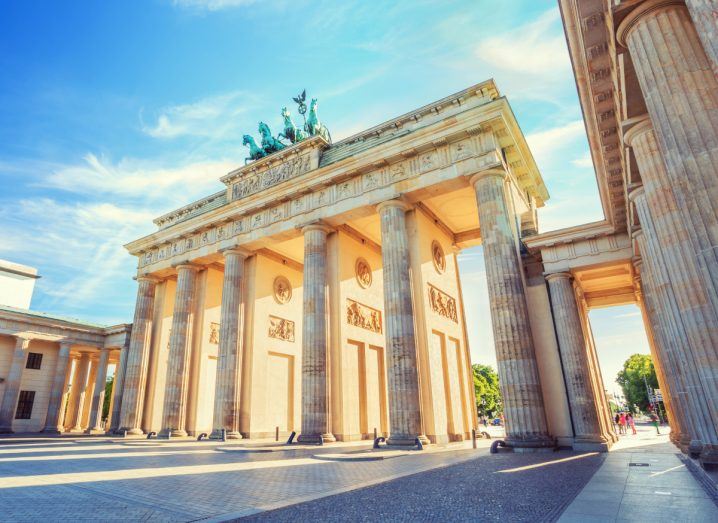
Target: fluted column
{"x": 82, "y": 375}
{"x": 315, "y": 337}
{"x": 575, "y": 358}
{"x": 655, "y": 340}
{"x": 12, "y": 385}
{"x": 705, "y": 17}
{"x": 516, "y": 360}
{"x": 55, "y": 410}
{"x": 133, "y": 392}
{"x": 681, "y": 94}
{"x": 405, "y": 421}
{"x": 174, "y": 415}
{"x": 683, "y": 376}
{"x": 118, "y": 384}
{"x": 98, "y": 394}
{"x": 229, "y": 361}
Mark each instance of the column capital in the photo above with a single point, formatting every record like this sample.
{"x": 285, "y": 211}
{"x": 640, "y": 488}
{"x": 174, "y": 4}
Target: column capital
{"x": 499, "y": 172}
{"x": 635, "y": 128}
{"x": 22, "y": 342}
{"x": 66, "y": 344}
{"x": 641, "y": 10}
{"x": 636, "y": 193}
{"x": 558, "y": 276}
{"x": 401, "y": 204}
{"x": 186, "y": 265}
{"x": 236, "y": 251}
{"x": 145, "y": 277}
{"x": 317, "y": 226}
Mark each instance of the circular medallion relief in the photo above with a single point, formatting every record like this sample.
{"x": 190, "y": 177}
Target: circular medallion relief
{"x": 437, "y": 255}
{"x": 282, "y": 289}
{"x": 363, "y": 273}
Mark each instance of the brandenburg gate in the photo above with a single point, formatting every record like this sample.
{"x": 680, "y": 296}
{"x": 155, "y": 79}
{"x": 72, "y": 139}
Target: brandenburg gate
{"x": 319, "y": 290}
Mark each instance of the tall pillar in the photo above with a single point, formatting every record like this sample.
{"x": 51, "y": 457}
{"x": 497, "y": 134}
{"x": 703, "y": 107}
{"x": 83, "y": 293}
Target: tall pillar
{"x": 229, "y": 361}
{"x": 575, "y": 358}
{"x": 133, "y": 391}
{"x": 118, "y": 384}
{"x": 82, "y": 379}
{"x": 12, "y": 385}
{"x": 55, "y": 410}
{"x": 315, "y": 337}
{"x": 655, "y": 340}
{"x": 681, "y": 94}
{"x": 683, "y": 374}
{"x": 526, "y": 425}
{"x": 174, "y": 416}
{"x": 405, "y": 420}
{"x": 705, "y": 17}
{"x": 98, "y": 394}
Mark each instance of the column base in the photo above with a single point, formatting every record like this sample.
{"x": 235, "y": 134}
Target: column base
{"x": 53, "y": 430}
{"x": 403, "y": 440}
{"x": 176, "y": 433}
{"x": 316, "y": 438}
{"x": 230, "y": 434}
{"x": 695, "y": 448}
{"x": 135, "y": 431}
{"x": 95, "y": 431}
{"x": 534, "y": 444}
{"x": 591, "y": 445}
{"x": 709, "y": 457}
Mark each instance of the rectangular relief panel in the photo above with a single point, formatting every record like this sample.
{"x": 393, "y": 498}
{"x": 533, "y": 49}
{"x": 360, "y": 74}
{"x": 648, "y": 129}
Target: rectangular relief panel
{"x": 281, "y": 329}
{"x": 363, "y": 316}
{"x": 442, "y": 304}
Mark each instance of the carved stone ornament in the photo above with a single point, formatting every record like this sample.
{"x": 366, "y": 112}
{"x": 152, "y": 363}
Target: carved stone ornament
{"x": 437, "y": 255}
{"x": 363, "y": 273}
{"x": 442, "y": 304}
{"x": 282, "y": 290}
{"x": 281, "y": 329}
{"x": 363, "y": 316}
{"x": 214, "y": 333}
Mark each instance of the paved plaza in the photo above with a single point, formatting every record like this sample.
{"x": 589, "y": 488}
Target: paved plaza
{"x": 104, "y": 479}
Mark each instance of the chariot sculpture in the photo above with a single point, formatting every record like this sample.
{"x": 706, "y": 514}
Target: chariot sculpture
{"x": 291, "y": 133}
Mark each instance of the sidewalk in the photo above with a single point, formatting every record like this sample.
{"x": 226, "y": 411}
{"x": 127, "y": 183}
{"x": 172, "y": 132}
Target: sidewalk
{"x": 642, "y": 479}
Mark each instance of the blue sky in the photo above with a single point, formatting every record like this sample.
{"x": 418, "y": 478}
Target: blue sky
{"x": 114, "y": 113}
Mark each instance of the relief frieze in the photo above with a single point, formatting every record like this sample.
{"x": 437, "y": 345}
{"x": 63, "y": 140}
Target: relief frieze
{"x": 442, "y": 304}
{"x": 363, "y": 316}
{"x": 258, "y": 182}
{"x": 281, "y": 329}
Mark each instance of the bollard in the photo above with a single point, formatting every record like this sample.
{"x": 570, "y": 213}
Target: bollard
{"x": 276, "y": 434}
{"x": 473, "y": 437}
{"x": 321, "y": 440}
{"x": 124, "y": 433}
{"x": 375, "y": 434}
{"x": 169, "y": 433}
{"x": 224, "y": 434}
{"x": 499, "y": 443}
{"x": 150, "y": 435}
{"x": 291, "y": 438}
{"x": 377, "y": 441}
{"x": 418, "y": 443}
{"x": 202, "y": 436}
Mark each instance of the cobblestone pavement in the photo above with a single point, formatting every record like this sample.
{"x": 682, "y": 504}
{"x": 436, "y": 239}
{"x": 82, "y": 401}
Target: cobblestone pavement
{"x": 101, "y": 479}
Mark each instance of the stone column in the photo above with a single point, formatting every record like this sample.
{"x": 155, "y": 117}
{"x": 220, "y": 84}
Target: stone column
{"x": 655, "y": 339}
{"x": 575, "y": 358}
{"x": 55, "y": 407}
{"x": 174, "y": 415}
{"x": 229, "y": 361}
{"x": 315, "y": 337}
{"x": 683, "y": 374}
{"x": 82, "y": 375}
{"x": 12, "y": 385}
{"x": 405, "y": 419}
{"x": 526, "y": 425}
{"x": 705, "y": 17}
{"x": 98, "y": 394}
{"x": 133, "y": 392}
{"x": 681, "y": 94}
{"x": 117, "y": 389}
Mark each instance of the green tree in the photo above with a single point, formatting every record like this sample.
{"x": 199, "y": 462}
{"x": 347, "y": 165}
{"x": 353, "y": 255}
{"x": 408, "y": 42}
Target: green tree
{"x": 486, "y": 386}
{"x": 631, "y": 380}
{"x": 108, "y": 397}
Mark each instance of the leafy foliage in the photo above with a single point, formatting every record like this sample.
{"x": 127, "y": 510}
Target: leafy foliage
{"x": 108, "y": 397}
{"x": 486, "y": 386}
{"x": 631, "y": 380}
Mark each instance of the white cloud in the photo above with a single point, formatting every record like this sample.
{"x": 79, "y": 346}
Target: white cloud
{"x": 546, "y": 145}
{"x": 212, "y": 117}
{"x": 584, "y": 161}
{"x": 211, "y": 5}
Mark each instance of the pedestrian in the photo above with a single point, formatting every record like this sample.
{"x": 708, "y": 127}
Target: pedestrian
{"x": 622, "y": 423}
{"x": 616, "y": 422}
{"x": 654, "y": 422}
{"x": 631, "y": 423}
{"x": 486, "y": 422}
